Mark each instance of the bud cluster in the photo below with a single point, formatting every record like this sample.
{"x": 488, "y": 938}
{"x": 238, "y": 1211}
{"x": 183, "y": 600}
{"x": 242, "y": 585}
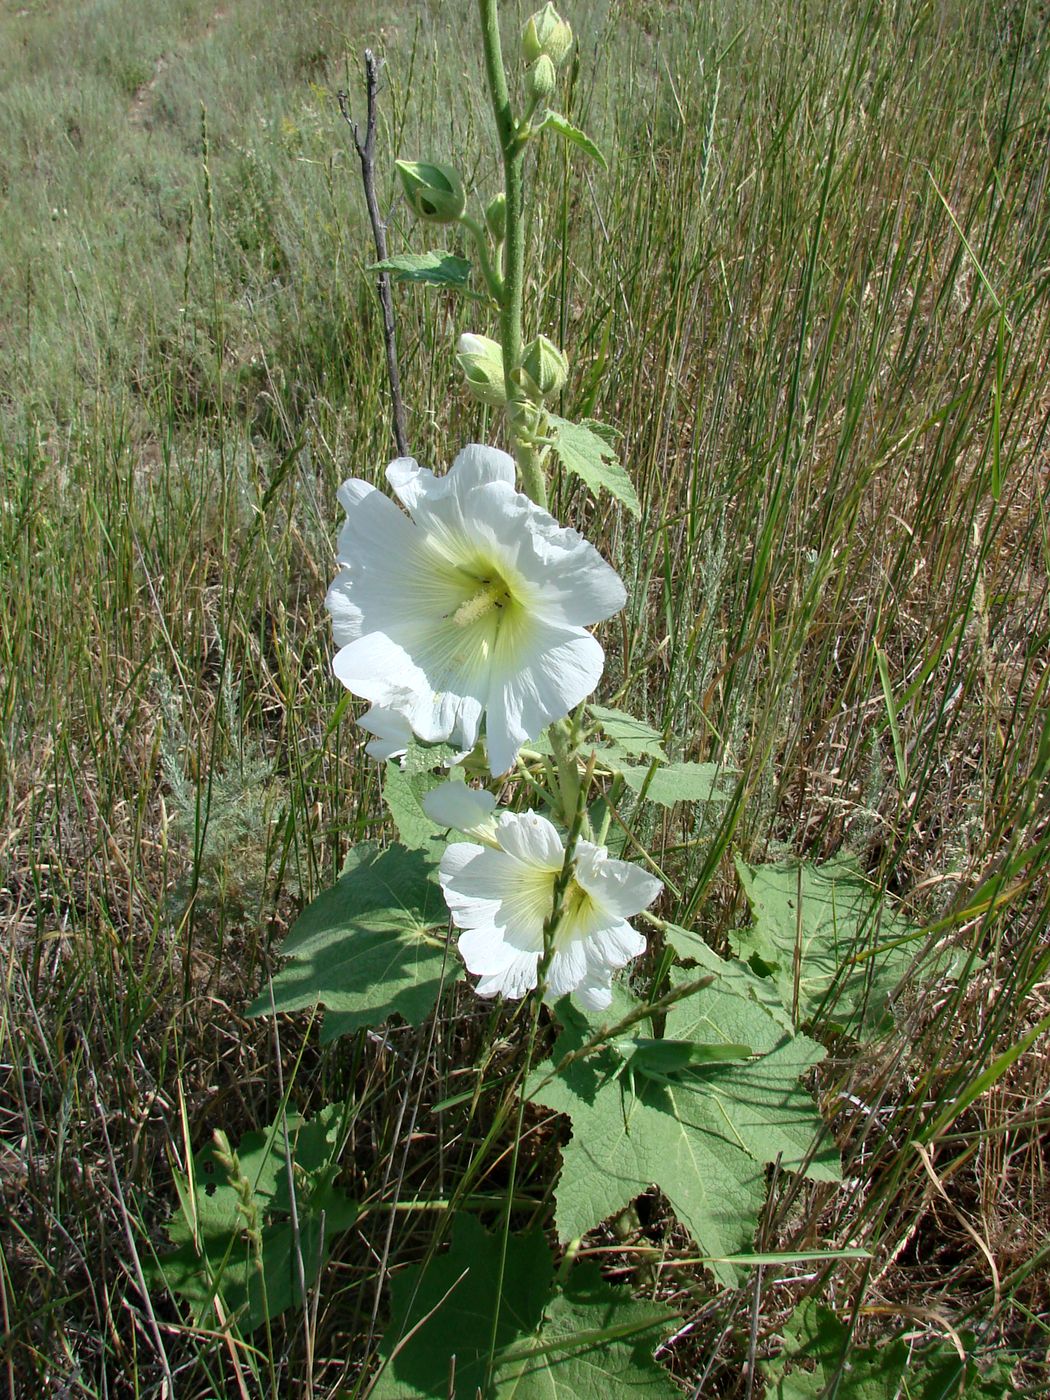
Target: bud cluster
{"x": 546, "y": 42}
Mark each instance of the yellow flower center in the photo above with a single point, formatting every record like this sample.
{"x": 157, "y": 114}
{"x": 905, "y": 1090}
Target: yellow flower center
{"x": 493, "y": 593}
{"x": 575, "y": 911}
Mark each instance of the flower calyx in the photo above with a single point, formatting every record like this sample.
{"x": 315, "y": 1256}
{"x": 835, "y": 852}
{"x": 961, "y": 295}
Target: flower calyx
{"x": 434, "y": 192}
{"x": 540, "y": 80}
{"x": 496, "y": 217}
{"x": 546, "y": 35}
{"x": 543, "y": 371}
{"x": 481, "y": 360}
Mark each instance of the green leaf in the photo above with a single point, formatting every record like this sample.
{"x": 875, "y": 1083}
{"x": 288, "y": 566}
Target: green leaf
{"x": 628, "y": 735}
{"x": 596, "y": 1342}
{"x": 704, "y": 1142}
{"x": 813, "y": 1335}
{"x": 942, "y": 1374}
{"x": 583, "y": 1340}
{"x": 368, "y": 947}
{"x": 436, "y": 268}
{"x": 554, "y": 121}
{"x": 582, "y": 450}
{"x": 810, "y": 923}
{"x": 818, "y": 1360}
{"x": 675, "y": 782}
{"x": 214, "y": 1252}
{"x": 403, "y": 793}
{"x": 455, "y": 1295}
{"x": 760, "y": 1102}
{"x": 426, "y": 758}
{"x": 733, "y": 974}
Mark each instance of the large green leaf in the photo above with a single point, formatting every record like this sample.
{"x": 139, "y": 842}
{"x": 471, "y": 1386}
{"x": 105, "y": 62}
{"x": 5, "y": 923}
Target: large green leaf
{"x": 760, "y": 1103}
{"x": 627, "y": 735}
{"x": 582, "y": 451}
{"x": 216, "y": 1256}
{"x": 675, "y": 782}
{"x": 583, "y": 1340}
{"x": 814, "y": 1337}
{"x": 436, "y": 268}
{"x": 703, "y": 1139}
{"x": 370, "y": 947}
{"x": 732, "y": 973}
{"x": 595, "y": 1342}
{"x": 811, "y": 923}
{"x": 403, "y": 793}
{"x": 819, "y": 1362}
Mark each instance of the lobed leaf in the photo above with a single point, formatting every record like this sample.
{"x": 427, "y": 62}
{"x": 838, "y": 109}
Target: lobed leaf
{"x": 582, "y": 1339}
{"x": 810, "y": 924}
{"x": 369, "y": 947}
{"x": 670, "y": 783}
{"x": 436, "y": 268}
{"x": 628, "y": 735}
{"x": 703, "y": 1141}
{"x": 583, "y": 451}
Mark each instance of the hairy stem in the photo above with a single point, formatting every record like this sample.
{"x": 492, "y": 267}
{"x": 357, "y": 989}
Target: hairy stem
{"x": 512, "y": 149}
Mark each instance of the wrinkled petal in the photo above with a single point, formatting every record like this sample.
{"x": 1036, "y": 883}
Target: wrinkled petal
{"x": 617, "y": 886}
{"x": 459, "y": 806}
{"x": 562, "y": 670}
{"x": 502, "y": 897}
{"x": 393, "y": 732}
{"x": 468, "y": 611}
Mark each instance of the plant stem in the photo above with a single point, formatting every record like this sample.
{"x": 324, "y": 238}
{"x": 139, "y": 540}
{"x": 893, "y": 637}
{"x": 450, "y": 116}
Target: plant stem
{"x": 530, "y": 468}
{"x": 492, "y": 278}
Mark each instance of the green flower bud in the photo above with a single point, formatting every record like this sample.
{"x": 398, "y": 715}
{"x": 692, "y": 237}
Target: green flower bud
{"x": 544, "y": 369}
{"x": 540, "y": 79}
{"x": 481, "y": 361}
{"x": 496, "y": 217}
{"x": 434, "y": 192}
{"x": 546, "y": 33}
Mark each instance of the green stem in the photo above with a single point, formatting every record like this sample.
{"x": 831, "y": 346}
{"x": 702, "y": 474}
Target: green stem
{"x": 481, "y": 247}
{"x": 530, "y": 468}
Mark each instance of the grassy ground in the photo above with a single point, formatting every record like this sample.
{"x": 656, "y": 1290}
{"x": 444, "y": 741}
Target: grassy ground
{"x": 812, "y": 291}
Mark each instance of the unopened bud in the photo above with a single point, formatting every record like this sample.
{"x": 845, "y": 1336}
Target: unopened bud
{"x": 496, "y": 216}
{"x": 544, "y": 369}
{"x": 546, "y": 33}
{"x": 540, "y": 79}
{"x": 481, "y": 361}
{"x": 434, "y": 192}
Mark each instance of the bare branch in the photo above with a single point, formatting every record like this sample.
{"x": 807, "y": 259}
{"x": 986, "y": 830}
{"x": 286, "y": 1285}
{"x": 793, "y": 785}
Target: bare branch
{"x": 365, "y": 147}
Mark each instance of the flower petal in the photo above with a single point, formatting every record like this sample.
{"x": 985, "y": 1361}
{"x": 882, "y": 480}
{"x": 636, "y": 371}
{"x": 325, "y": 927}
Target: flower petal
{"x": 459, "y": 806}
{"x": 393, "y": 732}
{"x": 617, "y": 886}
{"x": 559, "y": 669}
{"x": 532, "y": 839}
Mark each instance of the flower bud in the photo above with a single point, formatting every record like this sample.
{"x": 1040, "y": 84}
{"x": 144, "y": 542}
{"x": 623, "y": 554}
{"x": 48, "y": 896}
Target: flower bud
{"x": 481, "y": 361}
{"x": 546, "y": 33}
{"x": 544, "y": 369}
{"x": 540, "y": 79}
{"x": 496, "y": 216}
{"x": 434, "y": 192}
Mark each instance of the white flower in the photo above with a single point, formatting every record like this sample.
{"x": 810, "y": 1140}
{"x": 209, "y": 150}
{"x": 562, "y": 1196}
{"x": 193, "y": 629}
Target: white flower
{"x": 501, "y": 898}
{"x": 462, "y": 807}
{"x": 393, "y": 732}
{"x": 471, "y": 606}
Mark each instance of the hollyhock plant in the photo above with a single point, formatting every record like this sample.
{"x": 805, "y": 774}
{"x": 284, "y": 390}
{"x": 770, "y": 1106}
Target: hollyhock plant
{"x": 502, "y": 895}
{"x": 470, "y": 609}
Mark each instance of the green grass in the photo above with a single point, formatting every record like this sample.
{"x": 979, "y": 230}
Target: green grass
{"x": 812, "y": 292}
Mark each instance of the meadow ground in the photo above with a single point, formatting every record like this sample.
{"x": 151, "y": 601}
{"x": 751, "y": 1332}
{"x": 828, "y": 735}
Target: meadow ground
{"x": 811, "y": 291}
